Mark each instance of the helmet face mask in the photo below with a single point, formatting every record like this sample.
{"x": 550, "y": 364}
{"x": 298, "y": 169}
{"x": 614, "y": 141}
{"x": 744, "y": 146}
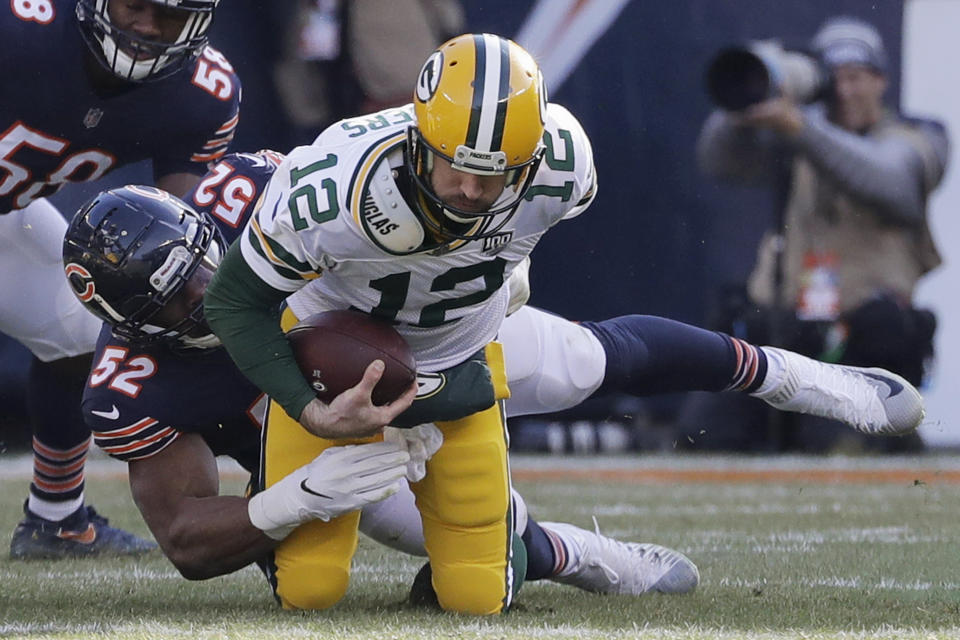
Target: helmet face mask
{"x": 130, "y": 255}
{"x": 450, "y": 222}
{"x": 134, "y": 58}
{"x": 480, "y": 106}
{"x": 178, "y": 316}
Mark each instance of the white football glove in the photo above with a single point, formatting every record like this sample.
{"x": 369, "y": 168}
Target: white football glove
{"x": 421, "y": 442}
{"x": 339, "y": 480}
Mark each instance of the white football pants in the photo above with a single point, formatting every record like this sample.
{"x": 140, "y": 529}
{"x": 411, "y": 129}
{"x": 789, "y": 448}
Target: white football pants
{"x": 38, "y": 307}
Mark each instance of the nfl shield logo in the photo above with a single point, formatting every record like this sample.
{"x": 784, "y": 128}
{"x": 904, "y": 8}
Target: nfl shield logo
{"x": 92, "y": 118}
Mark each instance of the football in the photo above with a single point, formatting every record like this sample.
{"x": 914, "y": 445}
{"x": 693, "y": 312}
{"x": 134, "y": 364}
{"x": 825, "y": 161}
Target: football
{"x": 334, "y": 348}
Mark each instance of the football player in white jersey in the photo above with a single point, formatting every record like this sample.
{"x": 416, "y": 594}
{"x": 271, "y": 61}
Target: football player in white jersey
{"x": 419, "y": 216}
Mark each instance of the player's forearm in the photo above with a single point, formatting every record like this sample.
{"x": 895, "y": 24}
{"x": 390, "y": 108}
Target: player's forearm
{"x": 213, "y": 536}
{"x": 244, "y": 313}
{"x": 202, "y": 533}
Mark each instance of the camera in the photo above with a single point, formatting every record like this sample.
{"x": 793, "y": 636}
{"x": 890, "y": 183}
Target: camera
{"x": 740, "y": 76}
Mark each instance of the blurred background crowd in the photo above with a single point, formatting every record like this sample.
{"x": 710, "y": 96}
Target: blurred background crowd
{"x": 663, "y": 237}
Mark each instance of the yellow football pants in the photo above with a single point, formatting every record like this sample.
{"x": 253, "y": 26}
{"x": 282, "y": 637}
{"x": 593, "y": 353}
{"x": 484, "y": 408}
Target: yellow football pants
{"x": 464, "y": 501}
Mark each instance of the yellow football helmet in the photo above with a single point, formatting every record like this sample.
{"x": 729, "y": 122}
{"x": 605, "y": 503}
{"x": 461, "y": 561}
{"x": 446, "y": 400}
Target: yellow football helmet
{"x": 480, "y": 104}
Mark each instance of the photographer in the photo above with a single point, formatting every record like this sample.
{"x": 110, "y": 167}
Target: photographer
{"x": 836, "y": 280}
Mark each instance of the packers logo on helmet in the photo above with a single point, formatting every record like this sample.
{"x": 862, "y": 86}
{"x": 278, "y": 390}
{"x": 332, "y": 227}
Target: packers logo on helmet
{"x": 429, "y": 77}
{"x": 480, "y": 106}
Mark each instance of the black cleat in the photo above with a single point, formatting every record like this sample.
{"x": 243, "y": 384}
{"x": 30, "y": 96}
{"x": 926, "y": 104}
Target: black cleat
{"x": 84, "y": 533}
{"x": 422, "y": 593}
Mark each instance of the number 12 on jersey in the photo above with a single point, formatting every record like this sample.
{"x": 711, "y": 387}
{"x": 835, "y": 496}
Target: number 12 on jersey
{"x": 307, "y": 195}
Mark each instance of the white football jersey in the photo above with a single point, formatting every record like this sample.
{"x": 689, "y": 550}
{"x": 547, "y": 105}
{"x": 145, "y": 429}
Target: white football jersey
{"x": 333, "y": 226}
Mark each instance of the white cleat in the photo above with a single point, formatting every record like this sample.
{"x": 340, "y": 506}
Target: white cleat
{"x": 606, "y": 565}
{"x": 873, "y": 401}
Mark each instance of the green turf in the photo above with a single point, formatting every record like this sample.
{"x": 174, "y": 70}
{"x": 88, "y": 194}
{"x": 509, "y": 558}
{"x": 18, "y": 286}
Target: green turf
{"x": 776, "y": 560}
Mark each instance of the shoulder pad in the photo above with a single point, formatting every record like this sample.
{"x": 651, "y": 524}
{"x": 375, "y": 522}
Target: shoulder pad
{"x": 385, "y": 216}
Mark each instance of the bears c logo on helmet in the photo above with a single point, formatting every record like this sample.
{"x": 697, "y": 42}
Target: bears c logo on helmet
{"x": 81, "y": 280}
{"x": 429, "y": 78}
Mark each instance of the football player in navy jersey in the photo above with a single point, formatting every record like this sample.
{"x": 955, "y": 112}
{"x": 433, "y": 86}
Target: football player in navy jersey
{"x": 164, "y": 399}
{"x": 87, "y": 87}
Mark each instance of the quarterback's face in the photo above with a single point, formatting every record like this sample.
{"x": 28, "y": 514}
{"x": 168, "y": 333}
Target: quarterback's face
{"x": 148, "y": 20}
{"x": 465, "y": 191}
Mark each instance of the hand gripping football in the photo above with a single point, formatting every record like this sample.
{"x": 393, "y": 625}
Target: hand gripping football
{"x": 334, "y": 348}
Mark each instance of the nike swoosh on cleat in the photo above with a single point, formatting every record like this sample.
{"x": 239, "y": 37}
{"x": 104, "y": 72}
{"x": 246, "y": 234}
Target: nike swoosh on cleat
{"x": 83, "y": 537}
{"x": 894, "y": 386}
{"x": 113, "y": 414}
{"x": 303, "y": 485}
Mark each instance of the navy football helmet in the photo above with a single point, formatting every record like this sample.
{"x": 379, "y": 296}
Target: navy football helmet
{"x": 128, "y": 251}
{"x": 135, "y": 58}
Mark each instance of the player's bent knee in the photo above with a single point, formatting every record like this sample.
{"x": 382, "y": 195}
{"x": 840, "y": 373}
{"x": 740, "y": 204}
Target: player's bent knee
{"x": 318, "y": 588}
{"x": 312, "y": 565}
{"x": 470, "y": 589}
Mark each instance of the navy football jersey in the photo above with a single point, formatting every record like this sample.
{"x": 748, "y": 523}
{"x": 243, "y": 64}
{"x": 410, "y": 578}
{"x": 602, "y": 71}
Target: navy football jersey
{"x": 55, "y": 127}
{"x": 139, "y": 399}
{"x": 229, "y": 192}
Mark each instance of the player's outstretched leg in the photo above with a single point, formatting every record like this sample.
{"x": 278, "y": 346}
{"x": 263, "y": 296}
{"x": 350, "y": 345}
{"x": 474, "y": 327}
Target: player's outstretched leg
{"x": 594, "y": 562}
{"x": 84, "y": 533}
{"x": 646, "y": 354}
{"x": 873, "y": 401}
{"x": 590, "y": 561}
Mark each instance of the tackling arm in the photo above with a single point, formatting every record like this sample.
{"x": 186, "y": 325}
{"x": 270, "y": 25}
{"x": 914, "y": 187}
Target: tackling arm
{"x": 206, "y": 535}
{"x": 202, "y": 533}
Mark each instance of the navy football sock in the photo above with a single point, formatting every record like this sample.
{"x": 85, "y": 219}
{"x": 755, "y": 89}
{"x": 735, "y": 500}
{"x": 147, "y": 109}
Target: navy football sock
{"x": 647, "y": 355}
{"x": 61, "y": 439}
{"x": 541, "y": 555}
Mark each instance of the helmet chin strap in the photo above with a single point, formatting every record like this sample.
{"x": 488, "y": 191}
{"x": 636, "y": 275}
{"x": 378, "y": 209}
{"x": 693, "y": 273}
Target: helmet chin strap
{"x": 208, "y": 341}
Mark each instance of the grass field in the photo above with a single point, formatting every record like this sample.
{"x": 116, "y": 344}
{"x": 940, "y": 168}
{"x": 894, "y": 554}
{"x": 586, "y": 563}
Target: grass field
{"x": 787, "y": 548}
